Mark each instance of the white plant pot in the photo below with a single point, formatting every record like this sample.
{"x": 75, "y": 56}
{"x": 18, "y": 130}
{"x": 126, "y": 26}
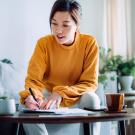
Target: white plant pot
{"x": 126, "y": 83}
{"x": 7, "y": 106}
{"x": 133, "y": 85}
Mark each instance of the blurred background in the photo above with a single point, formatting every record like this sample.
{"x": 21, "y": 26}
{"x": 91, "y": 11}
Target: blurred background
{"x": 111, "y": 22}
{"x": 23, "y": 22}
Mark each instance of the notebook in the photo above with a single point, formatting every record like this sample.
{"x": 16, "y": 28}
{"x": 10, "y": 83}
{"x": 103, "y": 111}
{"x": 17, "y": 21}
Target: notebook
{"x": 59, "y": 111}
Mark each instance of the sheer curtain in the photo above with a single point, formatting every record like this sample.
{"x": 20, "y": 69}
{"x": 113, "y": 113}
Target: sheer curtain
{"x": 118, "y": 27}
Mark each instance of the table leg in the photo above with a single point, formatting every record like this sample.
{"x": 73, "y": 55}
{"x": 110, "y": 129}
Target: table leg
{"x": 122, "y": 127}
{"x": 86, "y": 129}
{"x": 17, "y": 129}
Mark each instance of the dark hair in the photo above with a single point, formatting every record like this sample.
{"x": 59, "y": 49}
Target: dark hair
{"x": 72, "y": 6}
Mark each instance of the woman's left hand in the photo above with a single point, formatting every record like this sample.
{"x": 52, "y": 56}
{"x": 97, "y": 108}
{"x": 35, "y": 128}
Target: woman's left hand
{"x": 52, "y": 102}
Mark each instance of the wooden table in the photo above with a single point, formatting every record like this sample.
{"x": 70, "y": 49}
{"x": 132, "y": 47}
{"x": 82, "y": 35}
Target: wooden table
{"x": 59, "y": 119}
{"x": 130, "y": 102}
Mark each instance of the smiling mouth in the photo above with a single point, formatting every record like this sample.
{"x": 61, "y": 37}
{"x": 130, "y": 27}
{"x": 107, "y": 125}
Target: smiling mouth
{"x": 60, "y": 37}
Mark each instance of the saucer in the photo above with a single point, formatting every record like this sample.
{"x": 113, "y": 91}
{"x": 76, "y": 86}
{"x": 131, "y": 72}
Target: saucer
{"x": 122, "y": 111}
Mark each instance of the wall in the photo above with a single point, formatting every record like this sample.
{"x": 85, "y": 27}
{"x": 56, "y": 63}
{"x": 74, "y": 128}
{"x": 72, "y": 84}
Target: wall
{"x": 24, "y": 21}
{"x": 93, "y": 19}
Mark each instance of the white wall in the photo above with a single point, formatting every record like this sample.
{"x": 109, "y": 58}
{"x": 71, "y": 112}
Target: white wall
{"x": 93, "y": 19}
{"x": 133, "y": 25}
{"x": 24, "y": 21}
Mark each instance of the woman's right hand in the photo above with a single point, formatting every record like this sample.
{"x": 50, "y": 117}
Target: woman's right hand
{"x": 32, "y": 104}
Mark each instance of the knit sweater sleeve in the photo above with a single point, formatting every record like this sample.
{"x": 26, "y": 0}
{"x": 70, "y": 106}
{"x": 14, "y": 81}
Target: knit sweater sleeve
{"x": 88, "y": 80}
{"x": 35, "y": 73}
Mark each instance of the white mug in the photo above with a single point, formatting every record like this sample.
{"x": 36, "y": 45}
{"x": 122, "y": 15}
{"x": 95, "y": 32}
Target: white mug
{"x": 7, "y": 106}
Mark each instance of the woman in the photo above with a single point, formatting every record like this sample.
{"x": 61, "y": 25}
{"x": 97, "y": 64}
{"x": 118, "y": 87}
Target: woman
{"x": 64, "y": 63}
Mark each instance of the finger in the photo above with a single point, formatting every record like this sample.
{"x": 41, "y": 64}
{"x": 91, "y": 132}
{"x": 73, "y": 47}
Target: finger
{"x": 40, "y": 101}
{"x": 48, "y": 104}
{"x": 53, "y": 105}
{"x": 30, "y": 103}
{"x": 58, "y": 103}
{"x": 30, "y": 100}
{"x": 42, "y": 106}
{"x": 31, "y": 106}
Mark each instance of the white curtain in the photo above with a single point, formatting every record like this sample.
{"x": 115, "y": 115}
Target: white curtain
{"x": 118, "y": 27}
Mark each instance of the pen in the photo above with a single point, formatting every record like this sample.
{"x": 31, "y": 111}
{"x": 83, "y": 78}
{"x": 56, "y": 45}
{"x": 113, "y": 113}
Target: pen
{"x": 31, "y": 92}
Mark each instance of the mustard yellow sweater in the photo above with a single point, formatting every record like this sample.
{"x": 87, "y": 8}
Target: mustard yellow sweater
{"x": 68, "y": 70}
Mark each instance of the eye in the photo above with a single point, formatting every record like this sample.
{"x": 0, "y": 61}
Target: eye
{"x": 54, "y": 23}
{"x": 65, "y": 25}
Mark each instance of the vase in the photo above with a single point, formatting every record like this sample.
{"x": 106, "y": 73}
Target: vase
{"x": 126, "y": 83}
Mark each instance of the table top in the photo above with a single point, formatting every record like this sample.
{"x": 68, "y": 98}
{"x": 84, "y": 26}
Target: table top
{"x": 130, "y": 98}
{"x": 59, "y": 119}
{"x": 128, "y": 93}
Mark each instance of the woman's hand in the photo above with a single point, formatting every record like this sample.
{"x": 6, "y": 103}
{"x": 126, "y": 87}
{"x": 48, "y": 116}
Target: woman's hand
{"x": 52, "y": 102}
{"x": 32, "y": 104}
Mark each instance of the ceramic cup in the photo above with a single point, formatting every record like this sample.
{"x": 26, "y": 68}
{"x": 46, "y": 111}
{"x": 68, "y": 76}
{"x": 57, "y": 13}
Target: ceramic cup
{"x": 114, "y": 102}
{"x": 7, "y": 106}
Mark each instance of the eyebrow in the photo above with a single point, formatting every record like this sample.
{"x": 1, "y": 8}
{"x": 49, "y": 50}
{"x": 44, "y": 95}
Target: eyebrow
{"x": 63, "y": 21}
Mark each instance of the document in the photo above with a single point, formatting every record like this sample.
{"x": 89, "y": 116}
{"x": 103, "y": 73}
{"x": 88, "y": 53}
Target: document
{"x": 59, "y": 111}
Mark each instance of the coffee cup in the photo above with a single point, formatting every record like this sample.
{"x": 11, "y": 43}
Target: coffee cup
{"x": 7, "y": 106}
{"x": 114, "y": 102}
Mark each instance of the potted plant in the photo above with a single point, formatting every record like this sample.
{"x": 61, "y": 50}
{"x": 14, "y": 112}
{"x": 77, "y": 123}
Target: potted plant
{"x": 112, "y": 63}
{"x": 7, "y": 105}
{"x": 108, "y": 70}
{"x": 126, "y": 70}
{"x": 108, "y": 66}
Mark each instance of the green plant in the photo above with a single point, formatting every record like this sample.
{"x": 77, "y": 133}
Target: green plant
{"x": 6, "y": 61}
{"x": 112, "y": 63}
{"x": 108, "y": 63}
{"x": 127, "y": 68}
{"x": 102, "y": 78}
{"x": 3, "y": 97}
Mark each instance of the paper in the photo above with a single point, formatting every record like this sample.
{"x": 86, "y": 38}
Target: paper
{"x": 59, "y": 111}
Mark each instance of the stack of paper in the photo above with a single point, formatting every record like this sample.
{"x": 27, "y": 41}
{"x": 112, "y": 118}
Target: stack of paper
{"x": 60, "y": 111}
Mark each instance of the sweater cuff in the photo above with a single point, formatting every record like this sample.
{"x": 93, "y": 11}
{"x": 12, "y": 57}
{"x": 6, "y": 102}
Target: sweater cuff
{"x": 25, "y": 93}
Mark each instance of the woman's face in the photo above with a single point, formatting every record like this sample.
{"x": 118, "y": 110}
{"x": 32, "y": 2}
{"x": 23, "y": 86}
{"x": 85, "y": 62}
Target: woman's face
{"x": 63, "y": 28}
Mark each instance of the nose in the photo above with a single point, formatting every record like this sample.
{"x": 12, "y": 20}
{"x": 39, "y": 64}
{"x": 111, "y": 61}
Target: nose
{"x": 59, "y": 30}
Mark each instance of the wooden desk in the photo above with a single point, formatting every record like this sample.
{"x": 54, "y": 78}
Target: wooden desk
{"x": 130, "y": 102}
{"x": 59, "y": 119}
